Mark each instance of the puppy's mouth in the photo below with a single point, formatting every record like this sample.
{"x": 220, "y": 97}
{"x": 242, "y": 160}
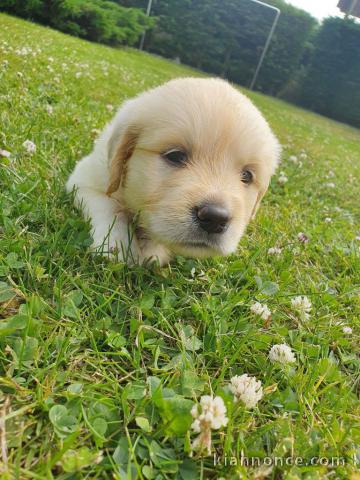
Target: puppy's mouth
{"x": 194, "y": 244}
{"x": 185, "y": 238}
{"x": 196, "y": 247}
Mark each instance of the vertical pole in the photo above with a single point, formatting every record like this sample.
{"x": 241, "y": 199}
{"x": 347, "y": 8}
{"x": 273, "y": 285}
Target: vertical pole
{"x": 148, "y": 11}
{"x": 267, "y": 43}
{"x": 352, "y": 7}
{"x": 266, "y": 46}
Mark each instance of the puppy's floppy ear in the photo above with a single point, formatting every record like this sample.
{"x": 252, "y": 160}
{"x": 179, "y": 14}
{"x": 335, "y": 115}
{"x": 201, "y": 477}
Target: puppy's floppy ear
{"x": 120, "y": 151}
{"x": 261, "y": 193}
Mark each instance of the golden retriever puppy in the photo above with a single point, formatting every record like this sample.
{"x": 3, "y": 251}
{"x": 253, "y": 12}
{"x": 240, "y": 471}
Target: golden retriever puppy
{"x": 180, "y": 169}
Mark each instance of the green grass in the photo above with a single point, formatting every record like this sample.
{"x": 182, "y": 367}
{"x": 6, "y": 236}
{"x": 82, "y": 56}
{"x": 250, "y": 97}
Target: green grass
{"x": 89, "y": 341}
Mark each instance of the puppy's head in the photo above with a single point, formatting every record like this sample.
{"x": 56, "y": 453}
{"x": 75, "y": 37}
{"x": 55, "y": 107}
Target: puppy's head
{"x": 194, "y": 157}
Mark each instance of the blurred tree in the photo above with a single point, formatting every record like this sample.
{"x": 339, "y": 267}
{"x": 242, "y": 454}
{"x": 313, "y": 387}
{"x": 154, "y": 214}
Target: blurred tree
{"x": 318, "y": 67}
{"x": 332, "y": 82}
{"x": 288, "y": 49}
{"x": 97, "y": 20}
{"x": 226, "y": 37}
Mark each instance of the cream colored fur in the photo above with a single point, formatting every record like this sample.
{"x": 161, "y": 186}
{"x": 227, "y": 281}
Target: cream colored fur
{"x": 125, "y": 176}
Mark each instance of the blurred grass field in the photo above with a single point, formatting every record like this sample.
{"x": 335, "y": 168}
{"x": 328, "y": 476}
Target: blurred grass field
{"x": 87, "y": 345}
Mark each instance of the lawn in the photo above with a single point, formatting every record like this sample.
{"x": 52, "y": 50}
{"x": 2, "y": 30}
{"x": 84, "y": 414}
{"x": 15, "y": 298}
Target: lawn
{"x": 100, "y": 363}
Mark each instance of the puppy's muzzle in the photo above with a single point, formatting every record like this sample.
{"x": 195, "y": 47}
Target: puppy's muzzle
{"x": 212, "y": 218}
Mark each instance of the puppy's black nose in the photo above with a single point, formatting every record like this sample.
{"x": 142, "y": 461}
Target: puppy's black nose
{"x": 212, "y": 218}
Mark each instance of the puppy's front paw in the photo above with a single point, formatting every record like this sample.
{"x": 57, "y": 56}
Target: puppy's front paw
{"x": 117, "y": 250}
{"x": 153, "y": 253}
{"x": 119, "y": 245}
{"x": 116, "y": 244}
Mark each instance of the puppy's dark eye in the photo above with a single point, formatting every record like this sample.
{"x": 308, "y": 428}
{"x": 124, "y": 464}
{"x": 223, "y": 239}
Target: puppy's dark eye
{"x": 247, "y": 176}
{"x": 176, "y": 157}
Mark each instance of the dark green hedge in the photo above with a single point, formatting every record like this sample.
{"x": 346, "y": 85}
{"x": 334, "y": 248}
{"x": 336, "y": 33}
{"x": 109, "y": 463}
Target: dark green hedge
{"x": 97, "y": 20}
{"x": 332, "y": 82}
{"x": 226, "y": 37}
{"x": 315, "y": 66}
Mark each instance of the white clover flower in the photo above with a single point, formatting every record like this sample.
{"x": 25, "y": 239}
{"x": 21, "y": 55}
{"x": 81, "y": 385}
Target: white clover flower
{"x": 282, "y": 179}
{"x": 329, "y": 185}
{"x": 257, "y": 308}
{"x": 302, "y": 305}
{"x": 357, "y": 238}
{"x": 246, "y": 389}
{"x": 303, "y": 155}
{"x": 212, "y": 411}
{"x": 328, "y": 220}
{"x": 99, "y": 457}
{"x": 95, "y": 131}
{"x": 302, "y": 237}
{"x": 261, "y": 310}
{"x": 20, "y": 74}
{"x": 49, "y": 109}
{"x": 29, "y": 146}
{"x": 331, "y": 174}
{"x": 78, "y": 74}
{"x": 282, "y": 353}
{"x": 347, "y": 330}
{"x": 23, "y": 51}
{"x": 209, "y": 414}
{"x": 274, "y": 251}
{"x": 4, "y": 153}
{"x": 109, "y": 107}
{"x": 293, "y": 158}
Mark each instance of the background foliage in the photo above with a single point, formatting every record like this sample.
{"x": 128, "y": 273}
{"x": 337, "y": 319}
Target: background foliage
{"x": 314, "y": 66}
{"x": 96, "y": 20}
{"x": 226, "y": 37}
{"x": 332, "y": 82}
{"x": 308, "y": 64}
